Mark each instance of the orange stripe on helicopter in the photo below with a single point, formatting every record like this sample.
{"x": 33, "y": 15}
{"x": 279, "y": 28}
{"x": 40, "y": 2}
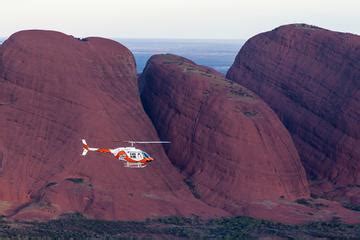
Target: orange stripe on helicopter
{"x": 126, "y": 157}
{"x": 119, "y": 154}
{"x": 103, "y": 150}
{"x": 146, "y": 160}
{"x": 130, "y": 160}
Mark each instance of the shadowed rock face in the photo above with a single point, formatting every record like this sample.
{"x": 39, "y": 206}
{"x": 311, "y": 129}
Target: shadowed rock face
{"x": 55, "y": 90}
{"x": 311, "y": 78}
{"x": 228, "y": 143}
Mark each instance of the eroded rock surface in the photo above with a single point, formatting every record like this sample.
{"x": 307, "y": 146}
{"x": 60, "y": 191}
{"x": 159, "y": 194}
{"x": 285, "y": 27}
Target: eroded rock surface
{"x": 227, "y": 142}
{"x": 311, "y": 78}
{"x": 55, "y": 90}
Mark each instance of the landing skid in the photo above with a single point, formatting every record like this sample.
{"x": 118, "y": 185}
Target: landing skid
{"x": 134, "y": 165}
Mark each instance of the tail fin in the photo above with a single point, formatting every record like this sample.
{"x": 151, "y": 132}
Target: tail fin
{"x": 85, "y": 147}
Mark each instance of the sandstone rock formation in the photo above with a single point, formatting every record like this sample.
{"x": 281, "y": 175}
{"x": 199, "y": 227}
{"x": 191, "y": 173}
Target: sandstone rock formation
{"x": 235, "y": 154}
{"x": 55, "y": 90}
{"x": 227, "y": 142}
{"x": 311, "y": 78}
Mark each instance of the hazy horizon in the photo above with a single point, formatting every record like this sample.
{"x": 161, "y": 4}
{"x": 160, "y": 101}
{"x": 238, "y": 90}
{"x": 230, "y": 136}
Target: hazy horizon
{"x": 175, "y": 19}
{"x": 217, "y": 54}
{"x": 144, "y": 38}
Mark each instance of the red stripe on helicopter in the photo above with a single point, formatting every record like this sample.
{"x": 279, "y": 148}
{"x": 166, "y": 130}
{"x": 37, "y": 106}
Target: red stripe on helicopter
{"x": 103, "y": 150}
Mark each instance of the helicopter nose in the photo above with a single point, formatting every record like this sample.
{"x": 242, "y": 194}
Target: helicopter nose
{"x": 150, "y": 159}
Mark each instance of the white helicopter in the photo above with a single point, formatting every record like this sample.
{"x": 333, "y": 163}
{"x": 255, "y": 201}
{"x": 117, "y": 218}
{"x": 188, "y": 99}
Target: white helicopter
{"x": 133, "y": 157}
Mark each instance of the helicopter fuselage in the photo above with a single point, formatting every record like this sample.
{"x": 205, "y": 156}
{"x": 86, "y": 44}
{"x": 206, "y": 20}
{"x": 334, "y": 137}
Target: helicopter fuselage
{"x": 133, "y": 157}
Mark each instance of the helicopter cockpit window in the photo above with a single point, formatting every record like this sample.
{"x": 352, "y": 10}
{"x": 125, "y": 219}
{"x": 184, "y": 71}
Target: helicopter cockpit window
{"x": 146, "y": 155}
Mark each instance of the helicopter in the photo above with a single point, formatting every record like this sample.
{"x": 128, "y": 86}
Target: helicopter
{"x": 133, "y": 157}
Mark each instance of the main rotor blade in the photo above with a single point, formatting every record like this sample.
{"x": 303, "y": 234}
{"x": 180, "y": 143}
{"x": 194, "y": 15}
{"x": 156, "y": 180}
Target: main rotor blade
{"x": 144, "y": 142}
{"x": 147, "y": 142}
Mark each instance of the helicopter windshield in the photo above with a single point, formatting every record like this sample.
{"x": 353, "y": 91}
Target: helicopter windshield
{"x": 146, "y": 155}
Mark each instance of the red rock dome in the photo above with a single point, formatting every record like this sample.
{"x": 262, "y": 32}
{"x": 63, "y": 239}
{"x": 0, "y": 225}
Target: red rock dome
{"x": 311, "y": 78}
{"x": 227, "y": 142}
{"x": 55, "y": 90}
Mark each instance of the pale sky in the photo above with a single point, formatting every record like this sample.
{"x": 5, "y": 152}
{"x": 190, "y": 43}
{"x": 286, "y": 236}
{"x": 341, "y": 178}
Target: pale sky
{"x": 211, "y": 19}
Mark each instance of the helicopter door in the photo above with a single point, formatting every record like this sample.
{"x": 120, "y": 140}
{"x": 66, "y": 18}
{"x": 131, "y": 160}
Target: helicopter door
{"x": 133, "y": 155}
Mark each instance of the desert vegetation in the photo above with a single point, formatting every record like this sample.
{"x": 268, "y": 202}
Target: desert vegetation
{"x": 76, "y": 226}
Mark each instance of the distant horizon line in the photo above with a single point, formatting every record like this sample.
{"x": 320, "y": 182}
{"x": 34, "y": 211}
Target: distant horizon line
{"x": 159, "y": 38}
{"x": 168, "y": 38}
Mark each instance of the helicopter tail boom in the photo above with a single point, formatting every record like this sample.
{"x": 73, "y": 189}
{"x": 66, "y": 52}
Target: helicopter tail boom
{"x": 86, "y": 149}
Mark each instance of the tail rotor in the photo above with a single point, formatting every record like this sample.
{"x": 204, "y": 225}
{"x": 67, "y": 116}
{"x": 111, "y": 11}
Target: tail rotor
{"x": 85, "y": 147}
